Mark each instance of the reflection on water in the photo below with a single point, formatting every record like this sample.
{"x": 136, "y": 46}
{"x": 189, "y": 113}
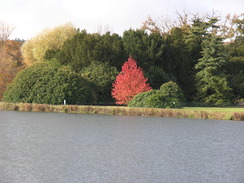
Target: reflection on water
{"x": 71, "y": 148}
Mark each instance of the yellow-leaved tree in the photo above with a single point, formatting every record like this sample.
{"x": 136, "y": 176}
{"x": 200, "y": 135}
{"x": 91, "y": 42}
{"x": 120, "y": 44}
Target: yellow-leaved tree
{"x": 35, "y": 49}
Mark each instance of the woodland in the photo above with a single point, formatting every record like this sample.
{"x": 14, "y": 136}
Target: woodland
{"x": 162, "y": 64}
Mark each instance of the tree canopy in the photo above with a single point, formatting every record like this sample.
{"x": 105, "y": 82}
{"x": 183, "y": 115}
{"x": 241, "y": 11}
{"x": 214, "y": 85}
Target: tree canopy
{"x": 211, "y": 81}
{"x": 83, "y": 48}
{"x": 203, "y": 55}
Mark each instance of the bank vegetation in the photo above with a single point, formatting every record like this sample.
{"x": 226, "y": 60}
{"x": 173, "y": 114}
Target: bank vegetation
{"x": 121, "y": 110}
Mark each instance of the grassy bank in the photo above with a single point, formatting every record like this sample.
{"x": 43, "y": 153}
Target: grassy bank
{"x": 196, "y": 113}
{"x": 216, "y": 109}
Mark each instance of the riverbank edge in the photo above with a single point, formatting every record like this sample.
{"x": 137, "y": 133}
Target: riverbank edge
{"x": 119, "y": 110}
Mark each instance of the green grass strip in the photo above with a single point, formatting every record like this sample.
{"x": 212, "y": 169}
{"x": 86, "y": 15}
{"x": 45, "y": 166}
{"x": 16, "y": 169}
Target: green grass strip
{"x": 223, "y": 109}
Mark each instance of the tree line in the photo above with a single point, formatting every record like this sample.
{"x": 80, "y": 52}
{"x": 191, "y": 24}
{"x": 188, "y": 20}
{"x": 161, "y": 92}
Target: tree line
{"x": 203, "y": 55}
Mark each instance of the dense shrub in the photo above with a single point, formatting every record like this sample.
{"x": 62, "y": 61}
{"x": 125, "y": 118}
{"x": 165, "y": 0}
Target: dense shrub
{"x": 102, "y": 75}
{"x": 172, "y": 90}
{"x": 140, "y": 99}
{"x": 160, "y": 100}
{"x": 42, "y": 83}
{"x": 169, "y": 96}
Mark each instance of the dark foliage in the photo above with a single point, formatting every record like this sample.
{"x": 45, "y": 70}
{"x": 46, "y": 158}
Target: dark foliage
{"x": 42, "y": 83}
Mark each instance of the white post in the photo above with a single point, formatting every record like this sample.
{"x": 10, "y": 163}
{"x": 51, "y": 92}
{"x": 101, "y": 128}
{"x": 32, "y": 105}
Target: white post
{"x": 64, "y": 102}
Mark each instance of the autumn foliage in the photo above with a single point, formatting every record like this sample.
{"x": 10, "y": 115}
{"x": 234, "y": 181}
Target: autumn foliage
{"x": 10, "y": 63}
{"x": 35, "y": 49}
{"x": 129, "y": 82}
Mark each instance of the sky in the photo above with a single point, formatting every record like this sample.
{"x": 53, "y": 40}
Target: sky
{"x": 30, "y": 17}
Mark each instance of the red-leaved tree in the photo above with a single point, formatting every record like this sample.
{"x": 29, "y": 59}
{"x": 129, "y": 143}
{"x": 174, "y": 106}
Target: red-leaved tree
{"x": 129, "y": 82}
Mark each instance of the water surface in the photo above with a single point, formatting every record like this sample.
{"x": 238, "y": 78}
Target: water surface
{"x": 74, "y": 148}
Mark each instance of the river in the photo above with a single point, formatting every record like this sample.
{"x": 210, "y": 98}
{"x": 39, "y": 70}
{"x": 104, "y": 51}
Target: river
{"x": 75, "y": 148}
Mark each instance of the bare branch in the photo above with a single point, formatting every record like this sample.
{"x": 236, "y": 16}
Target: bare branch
{"x": 5, "y": 32}
{"x": 231, "y": 26}
{"x": 103, "y": 29}
{"x": 150, "y": 25}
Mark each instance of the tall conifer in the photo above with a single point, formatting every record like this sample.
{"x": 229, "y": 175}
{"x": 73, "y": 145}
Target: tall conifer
{"x": 211, "y": 80}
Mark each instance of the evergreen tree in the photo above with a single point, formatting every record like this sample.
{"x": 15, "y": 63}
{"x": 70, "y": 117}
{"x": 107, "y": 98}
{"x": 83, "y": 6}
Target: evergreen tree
{"x": 181, "y": 54}
{"x": 146, "y": 48}
{"x": 235, "y": 67}
{"x": 157, "y": 75}
{"x": 102, "y": 75}
{"x": 84, "y": 48}
{"x": 211, "y": 80}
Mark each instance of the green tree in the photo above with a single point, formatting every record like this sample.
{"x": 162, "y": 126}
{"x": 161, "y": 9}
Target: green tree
{"x": 110, "y": 49}
{"x": 211, "y": 80}
{"x": 76, "y": 52}
{"x": 42, "y": 83}
{"x": 181, "y": 54}
{"x": 146, "y": 48}
{"x": 102, "y": 75}
{"x": 80, "y": 51}
{"x": 235, "y": 67}
{"x": 156, "y": 76}
{"x": 237, "y": 84}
